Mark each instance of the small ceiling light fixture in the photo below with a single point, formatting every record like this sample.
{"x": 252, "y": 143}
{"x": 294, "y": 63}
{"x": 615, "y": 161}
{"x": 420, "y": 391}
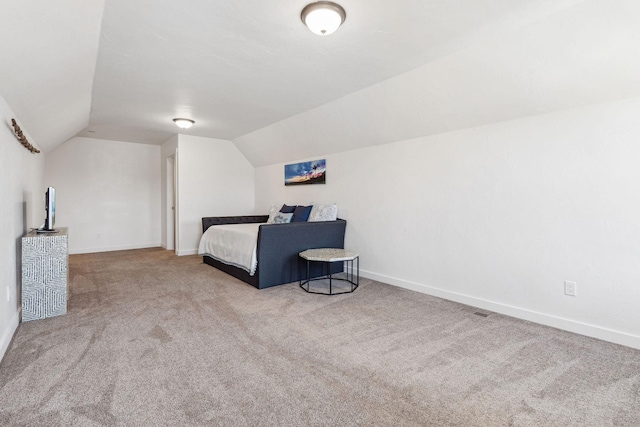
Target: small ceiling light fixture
{"x": 183, "y": 123}
{"x": 323, "y": 17}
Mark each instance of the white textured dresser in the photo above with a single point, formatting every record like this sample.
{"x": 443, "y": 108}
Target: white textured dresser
{"x": 45, "y": 265}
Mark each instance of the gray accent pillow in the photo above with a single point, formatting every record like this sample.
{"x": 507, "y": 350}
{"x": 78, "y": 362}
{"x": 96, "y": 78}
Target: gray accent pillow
{"x": 273, "y": 211}
{"x": 282, "y": 218}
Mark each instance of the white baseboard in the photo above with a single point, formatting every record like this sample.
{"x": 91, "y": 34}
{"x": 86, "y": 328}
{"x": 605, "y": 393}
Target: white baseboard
{"x": 112, "y": 248}
{"x": 574, "y": 326}
{"x": 7, "y": 334}
{"x": 187, "y": 252}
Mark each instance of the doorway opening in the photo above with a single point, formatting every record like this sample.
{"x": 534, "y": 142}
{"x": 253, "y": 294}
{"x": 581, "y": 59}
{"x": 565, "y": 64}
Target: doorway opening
{"x": 171, "y": 204}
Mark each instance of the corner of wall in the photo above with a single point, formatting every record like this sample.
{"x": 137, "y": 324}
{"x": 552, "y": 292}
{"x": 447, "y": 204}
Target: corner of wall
{"x": 7, "y": 334}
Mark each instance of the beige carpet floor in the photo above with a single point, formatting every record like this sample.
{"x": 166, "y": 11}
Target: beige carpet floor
{"x": 152, "y": 339}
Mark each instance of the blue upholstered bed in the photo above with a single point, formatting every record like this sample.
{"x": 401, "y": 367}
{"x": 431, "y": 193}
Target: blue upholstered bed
{"x": 278, "y": 246}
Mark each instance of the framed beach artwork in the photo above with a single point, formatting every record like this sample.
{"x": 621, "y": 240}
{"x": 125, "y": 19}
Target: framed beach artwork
{"x": 314, "y": 172}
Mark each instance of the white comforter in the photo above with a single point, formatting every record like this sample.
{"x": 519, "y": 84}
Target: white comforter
{"x": 233, "y": 244}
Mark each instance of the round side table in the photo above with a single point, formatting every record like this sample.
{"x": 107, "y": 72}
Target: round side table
{"x": 328, "y": 256}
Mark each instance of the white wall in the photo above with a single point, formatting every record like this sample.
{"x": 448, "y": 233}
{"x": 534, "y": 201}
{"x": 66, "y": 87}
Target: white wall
{"x": 214, "y": 179}
{"x": 500, "y": 216}
{"x": 107, "y": 193}
{"x": 21, "y": 207}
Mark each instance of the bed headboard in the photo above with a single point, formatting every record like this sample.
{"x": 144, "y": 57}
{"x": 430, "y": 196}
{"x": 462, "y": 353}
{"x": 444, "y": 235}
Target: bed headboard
{"x": 219, "y": 220}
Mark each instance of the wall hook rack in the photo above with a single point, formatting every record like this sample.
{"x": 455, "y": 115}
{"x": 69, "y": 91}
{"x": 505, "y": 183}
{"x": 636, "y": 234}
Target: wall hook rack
{"x": 22, "y": 138}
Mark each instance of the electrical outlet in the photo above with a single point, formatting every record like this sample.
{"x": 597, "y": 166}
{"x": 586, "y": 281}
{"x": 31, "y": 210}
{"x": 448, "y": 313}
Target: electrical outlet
{"x": 8, "y": 294}
{"x": 570, "y": 288}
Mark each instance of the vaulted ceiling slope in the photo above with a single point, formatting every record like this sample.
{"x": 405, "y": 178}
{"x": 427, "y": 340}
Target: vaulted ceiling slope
{"x": 47, "y": 63}
{"x": 585, "y": 54}
{"x": 249, "y": 71}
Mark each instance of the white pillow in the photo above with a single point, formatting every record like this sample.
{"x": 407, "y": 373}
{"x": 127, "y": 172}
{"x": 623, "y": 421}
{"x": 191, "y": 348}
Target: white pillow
{"x": 282, "y": 218}
{"x": 273, "y": 211}
{"x": 323, "y": 213}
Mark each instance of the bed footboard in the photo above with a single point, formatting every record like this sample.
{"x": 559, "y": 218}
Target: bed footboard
{"x": 280, "y": 244}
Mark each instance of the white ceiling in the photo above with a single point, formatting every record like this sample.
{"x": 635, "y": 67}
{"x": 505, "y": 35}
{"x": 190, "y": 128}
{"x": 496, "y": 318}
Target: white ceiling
{"x": 249, "y": 71}
{"x": 585, "y": 54}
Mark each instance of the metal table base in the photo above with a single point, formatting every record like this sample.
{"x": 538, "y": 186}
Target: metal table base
{"x": 329, "y": 256}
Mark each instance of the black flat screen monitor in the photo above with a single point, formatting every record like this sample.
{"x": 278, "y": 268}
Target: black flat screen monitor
{"x": 50, "y": 208}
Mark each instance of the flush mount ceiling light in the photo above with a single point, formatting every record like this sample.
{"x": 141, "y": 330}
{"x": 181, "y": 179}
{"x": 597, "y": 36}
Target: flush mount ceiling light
{"x": 183, "y": 123}
{"x": 323, "y": 17}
